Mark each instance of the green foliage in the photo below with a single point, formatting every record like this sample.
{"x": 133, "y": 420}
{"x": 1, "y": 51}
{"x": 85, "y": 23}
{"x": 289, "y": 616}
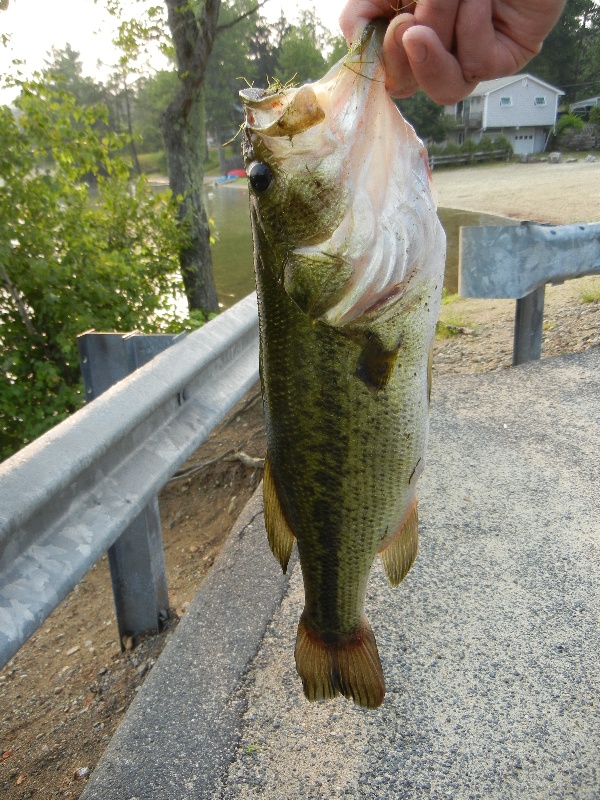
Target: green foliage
{"x": 427, "y": 118}
{"x": 569, "y": 121}
{"x": 63, "y": 71}
{"x": 228, "y": 67}
{"x": 301, "y": 50}
{"x": 338, "y": 50}
{"x": 594, "y": 115}
{"x": 153, "y": 163}
{"x": 153, "y": 94}
{"x": 570, "y": 57}
{"x": 72, "y": 257}
{"x": 485, "y": 145}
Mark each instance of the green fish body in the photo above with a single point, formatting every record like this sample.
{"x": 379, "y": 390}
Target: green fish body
{"x": 349, "y": 258}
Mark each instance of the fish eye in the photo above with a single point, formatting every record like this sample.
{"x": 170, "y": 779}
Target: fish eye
{"x": 260, "y": 176}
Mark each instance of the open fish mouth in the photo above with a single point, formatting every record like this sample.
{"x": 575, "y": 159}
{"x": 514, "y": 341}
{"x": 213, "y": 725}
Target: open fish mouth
{"x": 345, "y": 130}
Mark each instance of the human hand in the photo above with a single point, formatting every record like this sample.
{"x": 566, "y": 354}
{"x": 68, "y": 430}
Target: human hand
{"x": 445, "y": 47}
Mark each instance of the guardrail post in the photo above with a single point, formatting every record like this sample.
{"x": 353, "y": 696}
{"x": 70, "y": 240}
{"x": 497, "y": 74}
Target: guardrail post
{"x": 136, "y": 559}
{"x": 529, "y": 319}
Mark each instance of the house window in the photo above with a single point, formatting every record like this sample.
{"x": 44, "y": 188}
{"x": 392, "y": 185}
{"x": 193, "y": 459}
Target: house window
{"x": 539, "y": 101}
{"x": 506, "y": 101}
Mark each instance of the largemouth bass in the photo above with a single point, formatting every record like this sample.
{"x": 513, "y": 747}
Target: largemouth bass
{"x": 349, "y": 259}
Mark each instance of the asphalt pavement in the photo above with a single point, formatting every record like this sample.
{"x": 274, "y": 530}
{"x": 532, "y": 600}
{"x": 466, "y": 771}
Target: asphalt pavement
{"x": 490, "y": 647}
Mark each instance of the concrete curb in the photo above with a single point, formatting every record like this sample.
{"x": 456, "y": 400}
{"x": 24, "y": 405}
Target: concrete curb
{"x": 179, "y": 735}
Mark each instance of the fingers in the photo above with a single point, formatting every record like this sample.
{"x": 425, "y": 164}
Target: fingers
{"x": 440, "y": 16}
{"x": 400, "y": 81}
{"x": 436, "y": 70}
{"x": 357, "y": 13}
{"x": 493, "y": 45}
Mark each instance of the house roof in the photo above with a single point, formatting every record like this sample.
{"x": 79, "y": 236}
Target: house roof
{"x": 486, "y": 87}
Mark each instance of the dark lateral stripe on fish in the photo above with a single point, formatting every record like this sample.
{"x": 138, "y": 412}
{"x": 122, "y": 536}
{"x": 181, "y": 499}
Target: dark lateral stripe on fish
{"x": 348, "y": 666}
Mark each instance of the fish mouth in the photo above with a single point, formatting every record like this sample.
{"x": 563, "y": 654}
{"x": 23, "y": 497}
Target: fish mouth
{"x": 288, "y": 111}
{"x": 378, "y": 228}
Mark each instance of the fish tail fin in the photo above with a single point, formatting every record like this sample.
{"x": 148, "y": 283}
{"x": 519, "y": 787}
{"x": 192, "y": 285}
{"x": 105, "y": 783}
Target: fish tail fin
{"x": 281, "y": 539}
{"x": 399, "y": 555}
{"x": 350, "y": 666}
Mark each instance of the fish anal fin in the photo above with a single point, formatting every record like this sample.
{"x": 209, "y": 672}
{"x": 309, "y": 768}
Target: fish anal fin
{"x": 349, "y": 665}
{"x": 281, "y": 539}
{"x": 399, "y": 554}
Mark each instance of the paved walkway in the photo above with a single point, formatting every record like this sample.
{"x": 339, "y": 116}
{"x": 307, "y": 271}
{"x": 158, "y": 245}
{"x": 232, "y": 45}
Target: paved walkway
{"x": 490, "y": 647}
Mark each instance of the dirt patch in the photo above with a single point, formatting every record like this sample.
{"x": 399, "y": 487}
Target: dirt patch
{"x": 480, "y": 332}
{"x": 561, "y": 194}
{"x": 64, "y": 693}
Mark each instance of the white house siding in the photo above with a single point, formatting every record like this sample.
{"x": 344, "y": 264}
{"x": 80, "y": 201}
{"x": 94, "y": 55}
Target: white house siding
{"x": 523, "y": 111}
{"x": 525, "y": 123}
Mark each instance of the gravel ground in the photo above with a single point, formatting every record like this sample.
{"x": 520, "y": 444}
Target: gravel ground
{"x": 490, "y": 645}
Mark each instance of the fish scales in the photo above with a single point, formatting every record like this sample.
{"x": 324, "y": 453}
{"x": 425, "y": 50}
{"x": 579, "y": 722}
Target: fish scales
{"x": 344, "y": 349}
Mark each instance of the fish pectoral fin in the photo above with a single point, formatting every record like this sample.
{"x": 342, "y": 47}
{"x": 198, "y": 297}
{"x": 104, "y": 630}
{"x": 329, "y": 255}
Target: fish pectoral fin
{"x": 399, "y": 555}
{"x": 280, "y": 536}
{"x": 376, "y": 364}
{"x": 348, "y": 666}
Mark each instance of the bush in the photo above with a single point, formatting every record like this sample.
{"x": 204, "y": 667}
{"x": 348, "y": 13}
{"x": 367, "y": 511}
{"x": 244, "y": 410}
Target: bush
{"x": 72, "y": 257}
{"x": 595, "y": 115}
{"x": 568, "y": 121}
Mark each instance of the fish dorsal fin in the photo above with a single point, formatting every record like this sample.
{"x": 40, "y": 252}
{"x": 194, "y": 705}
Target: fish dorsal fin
{"x": 348, "y": 666}
{"x": 399, "y": 555}
{"x": 281, "y": 539}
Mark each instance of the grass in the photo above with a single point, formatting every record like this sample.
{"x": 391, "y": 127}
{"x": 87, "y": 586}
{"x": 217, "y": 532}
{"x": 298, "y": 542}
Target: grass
{"x": 452, "y": 324}
{"x": 450, "y": 327}
{"x": 448, "y": 298}
{"x": 591, "y": 295}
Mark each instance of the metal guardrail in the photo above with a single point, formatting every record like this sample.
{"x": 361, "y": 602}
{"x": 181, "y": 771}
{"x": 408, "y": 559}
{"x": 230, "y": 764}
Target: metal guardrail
{"x": 517, "y": 262}
{"x": 68, "y": 496}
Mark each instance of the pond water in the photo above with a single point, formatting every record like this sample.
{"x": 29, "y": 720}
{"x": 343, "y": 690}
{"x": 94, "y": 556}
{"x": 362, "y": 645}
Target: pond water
{"x": 232, "y": 252}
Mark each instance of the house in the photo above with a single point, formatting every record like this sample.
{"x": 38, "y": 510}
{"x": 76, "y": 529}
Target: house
{"x": 585, "y": 106}
{"x": 522, "y": 108}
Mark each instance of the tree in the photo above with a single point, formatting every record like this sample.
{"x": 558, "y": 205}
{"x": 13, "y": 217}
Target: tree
{"x": 153, "y": 95}
{"x": 71, "y": 259}
{"x": 427, "y": 118}
{"x": 63, "y": 71}
{"x": 301, "y": 56}
{"x": 228, "y": 67}
{"x": 564, "y": 58}
{"x": 193, "y": 27}
{"x": 263, "y": 49}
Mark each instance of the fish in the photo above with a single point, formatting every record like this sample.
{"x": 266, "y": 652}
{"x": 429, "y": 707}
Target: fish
{"x": 349, "y": 258}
